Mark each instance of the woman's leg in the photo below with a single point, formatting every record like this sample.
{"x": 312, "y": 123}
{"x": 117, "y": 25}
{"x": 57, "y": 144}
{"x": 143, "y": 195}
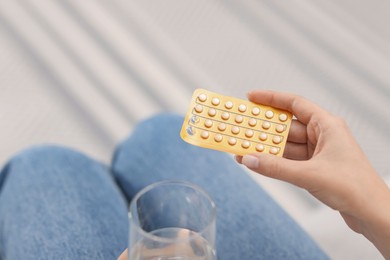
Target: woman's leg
{"x": 250, "y": 225}
{"x": 59, "y": 204}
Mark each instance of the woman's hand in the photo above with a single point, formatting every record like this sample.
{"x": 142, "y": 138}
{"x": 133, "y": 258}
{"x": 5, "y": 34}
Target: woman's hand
{"x": 322, "y": 157}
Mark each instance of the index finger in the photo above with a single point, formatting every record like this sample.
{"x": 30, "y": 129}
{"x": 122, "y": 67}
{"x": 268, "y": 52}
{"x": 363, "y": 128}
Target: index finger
{"x": 300, "y": 107}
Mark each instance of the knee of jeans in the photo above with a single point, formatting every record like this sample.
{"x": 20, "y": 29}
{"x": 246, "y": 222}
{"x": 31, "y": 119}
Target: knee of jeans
{"x": 47, "y": 158}
{"x": 42, "y": 153}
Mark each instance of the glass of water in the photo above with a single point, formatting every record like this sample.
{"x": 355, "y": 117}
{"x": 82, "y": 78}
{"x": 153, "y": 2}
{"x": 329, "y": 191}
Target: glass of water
{"x": 172, "y": 220}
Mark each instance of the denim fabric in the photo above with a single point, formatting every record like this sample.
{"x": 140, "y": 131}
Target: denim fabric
{"x": 56, "y": 203}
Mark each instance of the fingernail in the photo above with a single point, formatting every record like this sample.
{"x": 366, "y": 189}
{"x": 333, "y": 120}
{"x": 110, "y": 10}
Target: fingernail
{"x": 238, "y": 158}
{"x": 250, "y": 161}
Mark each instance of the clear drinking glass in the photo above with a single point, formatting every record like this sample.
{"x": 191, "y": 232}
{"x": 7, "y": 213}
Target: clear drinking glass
{"x": 172, "y": 220}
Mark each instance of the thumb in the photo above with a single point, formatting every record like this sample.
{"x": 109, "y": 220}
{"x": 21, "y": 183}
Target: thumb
{"x": 276, "y": 167}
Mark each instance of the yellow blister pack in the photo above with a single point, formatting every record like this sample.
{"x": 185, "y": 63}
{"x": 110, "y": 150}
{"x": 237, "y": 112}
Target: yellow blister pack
{"x": 235, "y": 125}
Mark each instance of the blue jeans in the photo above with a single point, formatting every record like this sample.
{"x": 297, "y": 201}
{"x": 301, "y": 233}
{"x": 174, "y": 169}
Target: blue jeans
{"x": 56, "y": 203}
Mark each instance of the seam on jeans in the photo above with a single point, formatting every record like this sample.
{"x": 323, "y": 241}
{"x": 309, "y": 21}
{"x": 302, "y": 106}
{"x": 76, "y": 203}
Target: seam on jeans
{"x": 3, "y": 174}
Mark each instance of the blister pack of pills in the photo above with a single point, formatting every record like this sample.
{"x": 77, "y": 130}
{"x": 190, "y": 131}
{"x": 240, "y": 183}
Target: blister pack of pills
{"x": 235, "y": 125}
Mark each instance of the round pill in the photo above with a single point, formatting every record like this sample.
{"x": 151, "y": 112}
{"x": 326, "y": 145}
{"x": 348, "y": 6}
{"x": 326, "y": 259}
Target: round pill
{"x": 276, "y": 139}
{"x": 255, "y": 111}
{"x": 232, "y": 141}
{"x": 212, "y": 112}
{"x": 249, "y": 133}
{"x": 198, "y": 108}
{"x": 266, "y": 125}
{"x": 225, "y": 115}
{"x": 242, "y": 108}
{"x": 252, "y": 122}
{"x": 259, "y": 147}
{"x": 263, "y": 136}
{"x": 279, "y": 128}
{"x": 221, "y": 127}
{"x": 274, "y": 150}
{"x": 208, "y": 123}
{"x": 283, "y": 117}
{"x": 229, "y": 104}
{"x": 245, "y": 144}
{"x": 215, "y": 101}
{"x": 202, "y": 97}
{"x": 235, "y": 130}
{"x": 239, "y": 119}
{"x": 204, "y": 134}
{"x": 218, "y": 138}
{"x": 269, "y": 114}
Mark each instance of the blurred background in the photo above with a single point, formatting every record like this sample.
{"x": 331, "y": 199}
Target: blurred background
{"x": 83, "y": 73}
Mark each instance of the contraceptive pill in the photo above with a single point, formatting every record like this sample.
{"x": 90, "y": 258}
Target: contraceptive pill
{"x": 234, "y": 125}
